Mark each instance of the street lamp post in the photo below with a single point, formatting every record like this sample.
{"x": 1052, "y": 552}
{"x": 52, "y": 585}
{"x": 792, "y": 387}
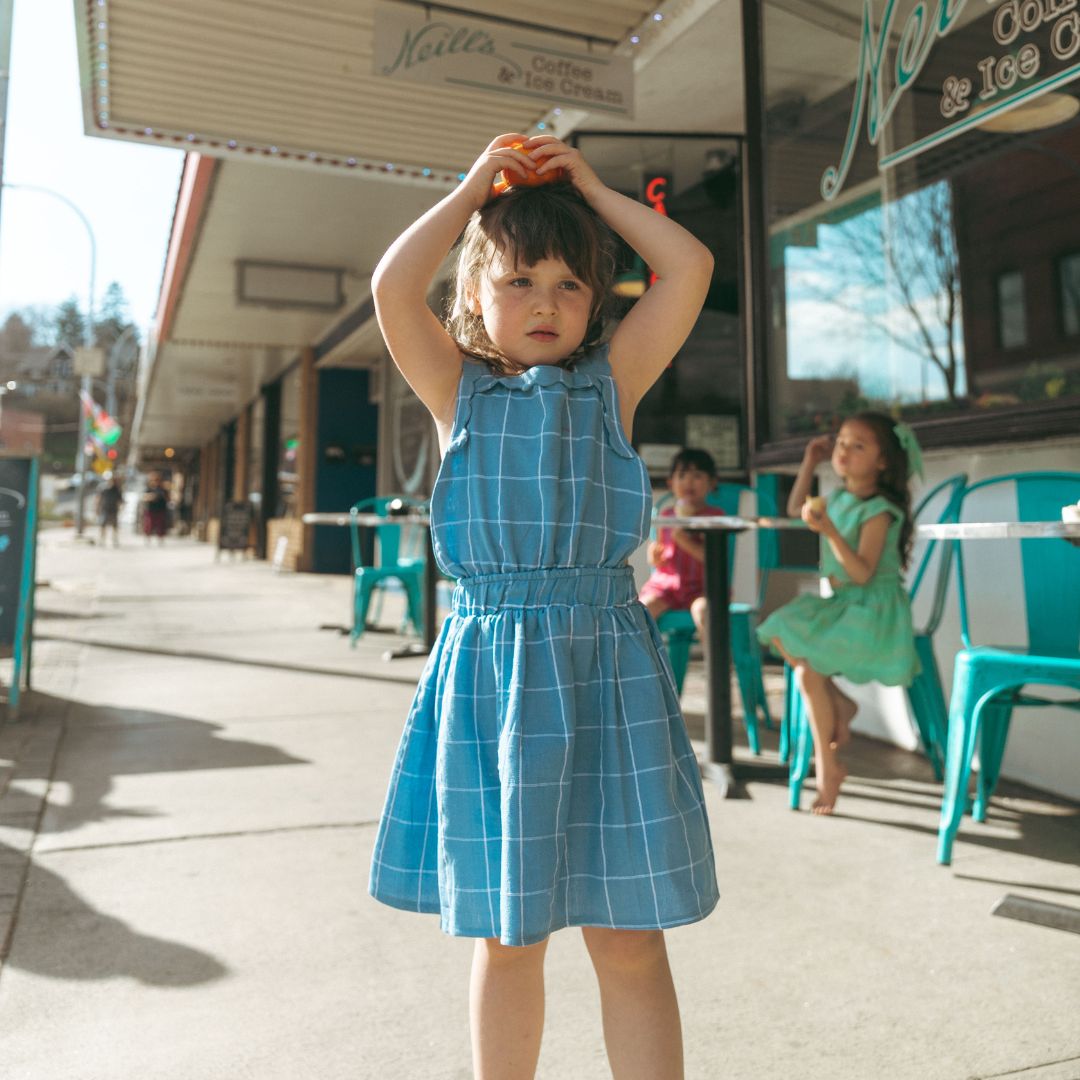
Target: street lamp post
{"x": 88, "y": 331}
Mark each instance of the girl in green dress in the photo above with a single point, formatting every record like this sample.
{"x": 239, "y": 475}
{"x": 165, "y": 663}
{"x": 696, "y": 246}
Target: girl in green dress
{"x": 863, "y": 630}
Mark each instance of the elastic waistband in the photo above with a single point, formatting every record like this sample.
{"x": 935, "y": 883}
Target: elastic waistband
{"x": 886, "y": 580}
{"x": 599, "y": 586}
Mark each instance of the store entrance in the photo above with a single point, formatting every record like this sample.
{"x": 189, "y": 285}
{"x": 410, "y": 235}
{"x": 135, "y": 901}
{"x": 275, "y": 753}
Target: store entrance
{"x": 699, "y": 400}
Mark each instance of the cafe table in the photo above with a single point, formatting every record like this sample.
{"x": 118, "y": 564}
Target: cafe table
{"x": 719, "y": 765}
{"x": 1003, "y": 530}
{"x": 371, "y": 521}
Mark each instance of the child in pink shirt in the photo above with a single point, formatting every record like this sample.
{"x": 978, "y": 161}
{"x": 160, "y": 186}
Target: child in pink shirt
{"x": 678, "y": 580}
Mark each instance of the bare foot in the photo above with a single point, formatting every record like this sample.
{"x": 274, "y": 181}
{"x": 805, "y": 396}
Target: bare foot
{"x": 828, "y": 790}
{"x": 845, "y": 712}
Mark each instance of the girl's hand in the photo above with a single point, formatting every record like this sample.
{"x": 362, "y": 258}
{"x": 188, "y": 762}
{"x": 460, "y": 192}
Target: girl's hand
{"x": 819, "y": 523}
{"x": 500, "y": 154}
{"x": 550, "y": 153}
{"x": 818, "y": 450}
{"x": 655, "y": 553}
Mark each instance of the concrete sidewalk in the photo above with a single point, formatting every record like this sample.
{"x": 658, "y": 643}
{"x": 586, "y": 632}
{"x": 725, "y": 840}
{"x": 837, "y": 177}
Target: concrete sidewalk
{"x": 186, "y": 817}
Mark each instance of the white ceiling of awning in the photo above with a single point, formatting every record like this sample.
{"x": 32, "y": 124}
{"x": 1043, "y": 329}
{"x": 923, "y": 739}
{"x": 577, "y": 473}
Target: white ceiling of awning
{"x": 297, "y": 77}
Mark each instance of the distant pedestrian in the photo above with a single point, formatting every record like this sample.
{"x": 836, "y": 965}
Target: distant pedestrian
{"x": 110, "y": 499}
{"x": 545, "y": 778}
{"x": 155, "y": 508}
{"x": 863, "y": 631}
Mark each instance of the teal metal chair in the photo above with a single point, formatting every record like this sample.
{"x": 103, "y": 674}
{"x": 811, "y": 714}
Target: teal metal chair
{"x": 679, "y": 632}
{"x": 925, "y": 695}
{"x": 395, "y": 563}
{"x": 989, "y": 681}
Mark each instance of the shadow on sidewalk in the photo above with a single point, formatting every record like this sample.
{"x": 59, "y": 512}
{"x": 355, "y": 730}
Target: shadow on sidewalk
{"x": 60, "y": 936}
{"x": 893, "y": 788}
{"x": 108, "y": 741}
{"x": 57, "y": 933}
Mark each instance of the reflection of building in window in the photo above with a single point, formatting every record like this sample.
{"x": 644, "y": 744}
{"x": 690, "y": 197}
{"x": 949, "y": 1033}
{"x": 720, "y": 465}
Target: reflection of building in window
{"x": 1012, "y": 314}
{"x": 1019, "y": 347}
{"x": 1069, "y": 277}
{"x": 932, "y": 283}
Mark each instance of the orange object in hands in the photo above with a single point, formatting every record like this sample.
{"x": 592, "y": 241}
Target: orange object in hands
{"x": 508, "y": 178}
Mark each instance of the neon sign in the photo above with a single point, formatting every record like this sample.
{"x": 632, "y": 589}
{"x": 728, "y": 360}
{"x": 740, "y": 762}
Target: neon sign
{"x": 656, "y": 193}
{"x": 987, "y": 87}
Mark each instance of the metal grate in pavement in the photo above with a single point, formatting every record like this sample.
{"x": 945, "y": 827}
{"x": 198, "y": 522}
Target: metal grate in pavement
{"x": 1040, "y": 912}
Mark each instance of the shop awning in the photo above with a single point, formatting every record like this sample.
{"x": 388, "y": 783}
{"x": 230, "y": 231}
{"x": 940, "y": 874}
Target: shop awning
{"x": 290, "y": 135}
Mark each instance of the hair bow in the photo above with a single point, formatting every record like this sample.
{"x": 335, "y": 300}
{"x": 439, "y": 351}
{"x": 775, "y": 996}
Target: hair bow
{"x": 910, "y": 445}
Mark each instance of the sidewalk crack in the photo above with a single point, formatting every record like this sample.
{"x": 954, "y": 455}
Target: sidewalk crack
{"x": 232, "y": 835}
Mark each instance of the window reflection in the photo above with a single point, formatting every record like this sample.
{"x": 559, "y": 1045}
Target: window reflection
{"x": 941, "y": 275}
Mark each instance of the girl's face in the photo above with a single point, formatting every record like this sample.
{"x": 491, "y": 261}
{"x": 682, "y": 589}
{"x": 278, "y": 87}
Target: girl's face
{"x": 533, "y": 314}
{"x": 856, "y": 455}
{"x": 690, "y": 484}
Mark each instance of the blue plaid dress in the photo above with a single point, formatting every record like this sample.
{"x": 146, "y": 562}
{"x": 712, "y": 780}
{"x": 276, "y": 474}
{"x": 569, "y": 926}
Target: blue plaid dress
{"x": 544, "y": 778}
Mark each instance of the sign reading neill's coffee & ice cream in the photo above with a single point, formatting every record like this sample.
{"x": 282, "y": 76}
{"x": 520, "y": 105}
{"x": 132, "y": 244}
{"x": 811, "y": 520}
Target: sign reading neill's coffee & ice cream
{"x": 969, "y": 60}
{"x": 458, "y": 49}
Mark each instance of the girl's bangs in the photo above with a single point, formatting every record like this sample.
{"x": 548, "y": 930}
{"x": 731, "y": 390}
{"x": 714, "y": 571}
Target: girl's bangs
{"x": 543, "y": 224}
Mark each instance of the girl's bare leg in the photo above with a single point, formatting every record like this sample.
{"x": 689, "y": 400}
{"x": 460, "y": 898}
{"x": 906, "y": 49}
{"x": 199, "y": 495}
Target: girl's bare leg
{"x": 642, "y": 1029}
{"x": 506, "y": 1009}
{"x": 844, "y": 709}
{"x": 819, "y": 704}
{"x": 699, "y": 612}
{"x": 655, "y": 606}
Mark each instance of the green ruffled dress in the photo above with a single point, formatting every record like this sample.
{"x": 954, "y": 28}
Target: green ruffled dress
{"x": 862, "y": 632}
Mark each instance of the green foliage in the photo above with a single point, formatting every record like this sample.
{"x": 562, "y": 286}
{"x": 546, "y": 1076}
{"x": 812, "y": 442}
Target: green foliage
{"x": 65, "y": 324}
{"x": 113, "y": 318}
{"x": 69, "y": 324}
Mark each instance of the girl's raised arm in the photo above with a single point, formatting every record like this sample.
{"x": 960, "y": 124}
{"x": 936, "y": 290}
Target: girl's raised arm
{"x": 422, "y": 349}
{"x": 658, "y": 324}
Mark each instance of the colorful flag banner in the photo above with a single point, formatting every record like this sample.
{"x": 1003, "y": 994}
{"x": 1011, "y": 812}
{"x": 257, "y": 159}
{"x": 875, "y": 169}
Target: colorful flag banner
{"x": 103, "y": 430}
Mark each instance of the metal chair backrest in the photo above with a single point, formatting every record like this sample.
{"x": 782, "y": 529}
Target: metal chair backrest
{"x": 389, "y": 535}
{"x": 941, "y": 505}
{"x": 1049, "y": 568}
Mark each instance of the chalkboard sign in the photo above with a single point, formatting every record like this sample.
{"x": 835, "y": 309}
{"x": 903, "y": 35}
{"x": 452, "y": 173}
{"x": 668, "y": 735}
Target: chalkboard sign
{"x": 18, "y": 558}
{"x": 15, "y": 499}
{"x": 235, "y": 526}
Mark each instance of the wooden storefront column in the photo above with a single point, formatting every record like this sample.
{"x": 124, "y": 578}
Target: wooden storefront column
{"x": 309, "y": 419}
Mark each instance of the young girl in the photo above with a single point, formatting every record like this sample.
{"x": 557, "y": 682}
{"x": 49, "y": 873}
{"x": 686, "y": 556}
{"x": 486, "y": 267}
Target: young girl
{"x": 545, "y": 778}
{"x": 863, "y": 631}
{"x": 677, "y": 582}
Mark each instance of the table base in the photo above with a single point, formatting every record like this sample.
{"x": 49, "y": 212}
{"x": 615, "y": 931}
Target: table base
{"x": 728, "y": 778}
{"x": 403, "y": 652}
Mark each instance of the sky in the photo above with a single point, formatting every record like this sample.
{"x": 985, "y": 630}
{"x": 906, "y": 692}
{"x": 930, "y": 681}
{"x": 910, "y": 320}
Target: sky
{"x": 126, "y": 191}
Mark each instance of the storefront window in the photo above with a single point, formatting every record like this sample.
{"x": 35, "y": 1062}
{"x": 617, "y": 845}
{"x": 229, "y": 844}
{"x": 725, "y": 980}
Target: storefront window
{"x": 1070, "y": 293}
{"x": 289, "y": 444}
{"x": 919, "y": 180}
{"x": 698, "y": 400}
{"x": 256, "y": 414}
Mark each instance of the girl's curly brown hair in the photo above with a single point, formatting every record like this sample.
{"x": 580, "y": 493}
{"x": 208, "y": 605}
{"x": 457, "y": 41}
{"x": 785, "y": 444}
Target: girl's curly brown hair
{"x": 893, "y": 480}
{"x": 528, "y": 225}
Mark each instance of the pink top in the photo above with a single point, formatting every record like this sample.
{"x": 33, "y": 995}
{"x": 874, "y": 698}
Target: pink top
{"x": 679, "y": 579}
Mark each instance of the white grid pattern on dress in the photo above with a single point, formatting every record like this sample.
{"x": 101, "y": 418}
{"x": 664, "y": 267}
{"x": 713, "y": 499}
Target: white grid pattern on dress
{"x": 546, "y": 694}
